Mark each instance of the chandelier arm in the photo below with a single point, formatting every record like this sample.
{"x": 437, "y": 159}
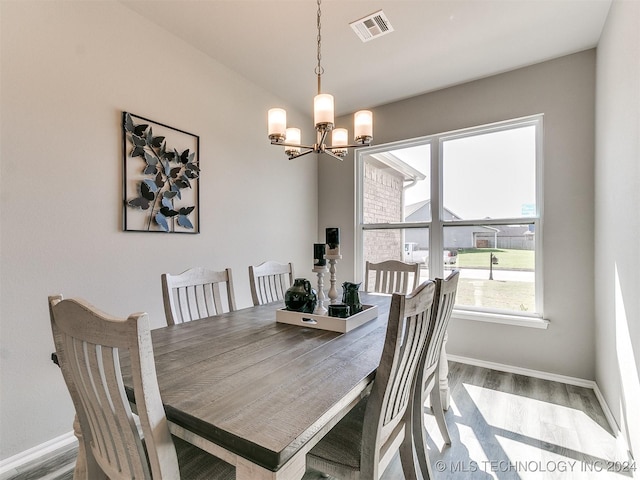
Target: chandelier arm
{"x": 355, "y": 145}
{"x": 311, "y": 150}
{"x": 296, "y": 145}
{"x": 331, "y": 154}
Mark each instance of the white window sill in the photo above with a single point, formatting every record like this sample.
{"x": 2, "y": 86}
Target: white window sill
{"x": 504, "y": 319}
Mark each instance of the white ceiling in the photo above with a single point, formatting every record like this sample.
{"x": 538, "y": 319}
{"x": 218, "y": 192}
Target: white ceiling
{"x": 436, "y": 43}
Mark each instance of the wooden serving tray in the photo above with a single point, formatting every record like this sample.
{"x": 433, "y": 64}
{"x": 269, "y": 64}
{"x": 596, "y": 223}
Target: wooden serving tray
{"x": 325, "y": 322}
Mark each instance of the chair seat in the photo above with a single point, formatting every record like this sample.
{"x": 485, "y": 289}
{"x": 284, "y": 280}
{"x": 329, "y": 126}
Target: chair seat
{"x": 342, "y": 445}
{"x": 196, "y": 464}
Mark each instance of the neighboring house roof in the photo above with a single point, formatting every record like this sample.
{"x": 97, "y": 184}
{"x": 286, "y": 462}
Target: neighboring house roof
{"x": 421, "y": 210}
{"x": 406, "y": 171}
{"x": 413, "y": 208}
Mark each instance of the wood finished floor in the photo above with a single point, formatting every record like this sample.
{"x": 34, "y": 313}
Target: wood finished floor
{"x": 503, "y": 426}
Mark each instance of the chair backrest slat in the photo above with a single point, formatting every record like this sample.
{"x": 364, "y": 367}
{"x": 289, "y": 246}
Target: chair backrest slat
{"x": 391, "y": 276}
{"x": 195, "y": 294}
{"x": 269, "y": 281}
{"x": 88, "y": 344}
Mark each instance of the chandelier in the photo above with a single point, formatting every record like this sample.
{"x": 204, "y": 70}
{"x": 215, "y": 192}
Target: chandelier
{"x": 323, "y": 116}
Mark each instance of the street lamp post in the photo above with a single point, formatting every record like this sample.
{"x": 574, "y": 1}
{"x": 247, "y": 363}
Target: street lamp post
{"x": 492, "y": 260}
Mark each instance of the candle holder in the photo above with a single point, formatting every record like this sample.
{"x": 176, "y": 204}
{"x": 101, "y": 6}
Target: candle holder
{"x": 320, "y": 271}
{"x": 333, "y": 259}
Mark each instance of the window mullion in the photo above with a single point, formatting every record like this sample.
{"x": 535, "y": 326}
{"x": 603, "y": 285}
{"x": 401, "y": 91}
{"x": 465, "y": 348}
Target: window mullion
{"x": 491, "y": 221}
{"x": 436, "y": 234}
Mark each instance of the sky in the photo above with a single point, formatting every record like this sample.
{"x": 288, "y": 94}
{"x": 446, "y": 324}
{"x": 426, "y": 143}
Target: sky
{"x": 489, "y": 175}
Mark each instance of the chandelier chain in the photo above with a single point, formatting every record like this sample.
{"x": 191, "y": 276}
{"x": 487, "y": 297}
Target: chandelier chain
{"x": 319, "y": 70}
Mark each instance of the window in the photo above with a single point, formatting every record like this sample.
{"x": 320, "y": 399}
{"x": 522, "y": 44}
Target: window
{"x": 473, "y": 198}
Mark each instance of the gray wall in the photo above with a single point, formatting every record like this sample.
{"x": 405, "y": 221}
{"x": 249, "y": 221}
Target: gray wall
{"x": 563, "y": 90}
{"x": 617, "y": 217}
{"x": 66, "y": 78}
{"x": 68, "y": 71}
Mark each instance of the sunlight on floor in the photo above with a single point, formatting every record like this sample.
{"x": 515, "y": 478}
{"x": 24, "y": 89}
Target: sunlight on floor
{"x": 502, "y": 435}
{"x": 559, "y": 420}
{"x": 530, "y": 463}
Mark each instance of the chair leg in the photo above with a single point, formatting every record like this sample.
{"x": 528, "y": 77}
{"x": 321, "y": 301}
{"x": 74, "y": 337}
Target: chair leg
{"x": 80, "y": 471}
{"x": 86, "y": 466}
{"x": 438, "y": 409}
{"x": 418, "y": 431}
{"x": 408, "y": 459}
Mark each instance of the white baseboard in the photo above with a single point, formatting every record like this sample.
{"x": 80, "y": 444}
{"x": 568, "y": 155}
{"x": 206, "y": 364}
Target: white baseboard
{"x": 554, "y": 377}
{"x": 37, "y": 452}
{"x": 607, "y": 411}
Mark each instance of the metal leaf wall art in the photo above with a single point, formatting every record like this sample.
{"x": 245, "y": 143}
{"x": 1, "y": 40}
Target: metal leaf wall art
{"x": 160, "y": 181}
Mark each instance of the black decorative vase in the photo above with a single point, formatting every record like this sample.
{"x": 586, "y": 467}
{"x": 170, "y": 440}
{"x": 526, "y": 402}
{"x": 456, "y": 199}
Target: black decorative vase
{"x": 351, "y": 297}
{"x": 300, "y": 297}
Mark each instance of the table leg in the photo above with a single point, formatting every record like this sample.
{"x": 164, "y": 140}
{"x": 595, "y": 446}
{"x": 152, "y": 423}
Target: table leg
{"x": 444, "y": 373}
{"x": 293, "y": 470}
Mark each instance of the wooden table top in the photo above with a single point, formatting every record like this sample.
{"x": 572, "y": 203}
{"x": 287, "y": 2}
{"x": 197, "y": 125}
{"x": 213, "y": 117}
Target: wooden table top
{"x": 258, "y": 388}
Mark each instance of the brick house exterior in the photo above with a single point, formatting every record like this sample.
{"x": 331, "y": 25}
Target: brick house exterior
{"x": 383, "y": 198}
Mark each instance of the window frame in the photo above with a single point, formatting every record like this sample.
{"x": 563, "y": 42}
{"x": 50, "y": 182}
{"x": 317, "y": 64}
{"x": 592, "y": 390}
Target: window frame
{"x": 437, "y": 224}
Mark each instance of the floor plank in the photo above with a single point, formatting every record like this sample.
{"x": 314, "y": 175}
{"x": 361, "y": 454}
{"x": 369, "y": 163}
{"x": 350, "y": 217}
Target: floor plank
{"x": 503, "y": 426}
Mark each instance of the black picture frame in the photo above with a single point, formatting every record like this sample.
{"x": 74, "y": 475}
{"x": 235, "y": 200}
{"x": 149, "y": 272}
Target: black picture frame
{"x": 161, "y": 177}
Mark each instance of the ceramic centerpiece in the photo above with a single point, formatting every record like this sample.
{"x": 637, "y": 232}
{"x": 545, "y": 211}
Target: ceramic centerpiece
{"x": 300, "y": 297}
{"x": 351, "y": 297}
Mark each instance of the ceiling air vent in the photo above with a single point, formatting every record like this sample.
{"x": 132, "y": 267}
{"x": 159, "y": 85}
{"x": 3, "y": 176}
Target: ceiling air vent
{"x": 372, "y": 26}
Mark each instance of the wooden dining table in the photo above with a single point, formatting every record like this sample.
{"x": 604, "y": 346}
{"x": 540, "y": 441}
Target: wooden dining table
{"x": 260, "y": 394}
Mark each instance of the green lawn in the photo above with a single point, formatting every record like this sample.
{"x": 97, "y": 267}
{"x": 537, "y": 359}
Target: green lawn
{"x": 507, "y": 259}
{"x": 515, "y": 296}
{"x": 512, "y": 295}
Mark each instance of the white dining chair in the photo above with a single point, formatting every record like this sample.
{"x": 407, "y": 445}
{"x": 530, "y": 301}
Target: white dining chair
{"x": 88, "y": 348}
{"x": 195, "y": 294}
{"x": 363, "y": 443}
{"x": 269, "y": 281}
{"x": 391, "y": 276}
